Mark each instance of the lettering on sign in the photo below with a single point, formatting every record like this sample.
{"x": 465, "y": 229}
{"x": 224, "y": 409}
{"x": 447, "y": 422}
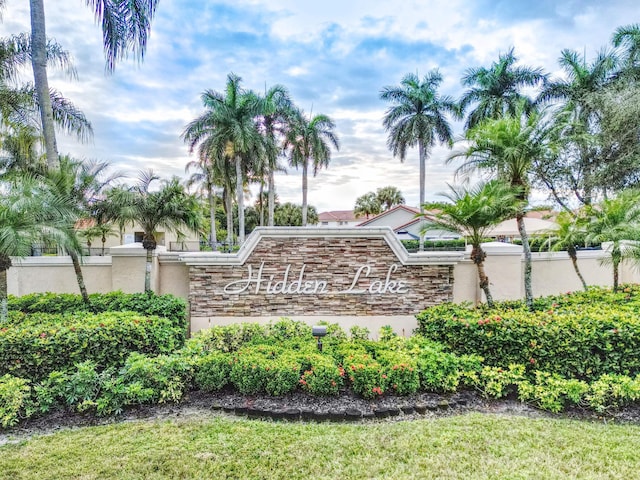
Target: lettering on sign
{"x": 289, "y": 283}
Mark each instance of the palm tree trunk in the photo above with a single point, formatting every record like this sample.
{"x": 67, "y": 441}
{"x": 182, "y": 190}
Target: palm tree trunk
{"x": 615, "y": 258}
{"x": 79, "y": 277}
{"x": 229, "y": 204}
{"x": 261, "y": 202}
{"x": 4, "y": 309}
{"x": 528, "y": 291}
{"x": 213, "y": 239}
{"x": 147, "y": 270}
{"x": 39, "y": 64}
{"x": 477, "y": 256}
{"x": 272, "y": 198}
{"x": 422, "y": 190}
{"x": 240, "y": 195}
{"x": 304, "y": 192}
{"x": 574, "y": 260}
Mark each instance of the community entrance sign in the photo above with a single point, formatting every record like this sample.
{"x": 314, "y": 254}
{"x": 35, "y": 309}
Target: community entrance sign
{"x": 358, "y": 275}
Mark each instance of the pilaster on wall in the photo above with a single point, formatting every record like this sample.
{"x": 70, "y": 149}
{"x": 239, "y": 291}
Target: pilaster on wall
{"x": 504, "y": 268}
{"x": 128, "y": 268}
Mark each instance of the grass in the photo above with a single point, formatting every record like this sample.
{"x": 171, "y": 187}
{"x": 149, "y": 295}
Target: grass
{"x": 472, "y": 446}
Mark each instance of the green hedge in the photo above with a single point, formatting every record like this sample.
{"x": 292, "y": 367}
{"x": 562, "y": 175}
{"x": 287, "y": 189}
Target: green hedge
{"x": 582, "y": 336}
{"x": 33, "y": 345}
{"x": 168, "y": 306}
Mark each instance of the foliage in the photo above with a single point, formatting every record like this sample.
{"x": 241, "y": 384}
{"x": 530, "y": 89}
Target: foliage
{"x": 33, "y": 345}
{"x": 582, "y": 335}
{"x": 321, "y": 376}
{"x": 552, "y": 392}
{"x": 14, "y": 400}
{"x": 169, "y": 306}
{"x": 366, "y": 375}
{"x": 212, "y": 371}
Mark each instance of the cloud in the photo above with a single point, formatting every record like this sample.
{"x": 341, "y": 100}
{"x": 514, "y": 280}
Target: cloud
{"x": 333, "y": 56}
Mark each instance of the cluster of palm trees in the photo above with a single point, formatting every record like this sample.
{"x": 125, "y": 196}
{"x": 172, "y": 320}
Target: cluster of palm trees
{"x": 578, "y": 138}
{"x": 374, "y": 203}
{"x": 240, "y": 138}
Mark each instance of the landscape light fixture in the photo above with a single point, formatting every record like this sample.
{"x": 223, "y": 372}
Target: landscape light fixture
{"x": 319, "y": 331}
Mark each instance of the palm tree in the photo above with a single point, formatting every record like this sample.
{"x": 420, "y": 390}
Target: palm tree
{"x": 19, "y": 107}
{"x": 170, "y": 208}
{"x": 496, "y": 90}
{"x": 417, "y": 116}
{"x": 571, "y": 231}
{"x": 473, "y": 213}
{"x": 207, "y": 175}
{"x": 617, "y": 221}
{"x": 276, "y": 110}
{"x": 290, "y": 215}
{"x": 227, "y": 129}
{"x": 507, "y": 148}
{"x": 389, "y": 197}
{"x": 29, "y": 214}
{"x": 367, "y": 204}
{"x": 81, "y": 185}
{"x": 125, "y": 28}
{"x": 628, "y": 38}
{"x": 310, "y": 140}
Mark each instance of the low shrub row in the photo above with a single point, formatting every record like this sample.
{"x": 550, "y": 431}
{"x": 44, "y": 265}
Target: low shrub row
{"x": 34, "y": 345}
{"x": 168, "y": 306}
{"x": 581, "y": 336}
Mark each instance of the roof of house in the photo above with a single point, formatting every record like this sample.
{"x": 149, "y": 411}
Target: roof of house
{"x": 412, "y": 210}
{"x": 337, "y": 216}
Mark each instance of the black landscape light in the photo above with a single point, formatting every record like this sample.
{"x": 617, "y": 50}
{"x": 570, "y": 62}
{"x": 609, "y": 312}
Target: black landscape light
{"x": 319, "y": 331}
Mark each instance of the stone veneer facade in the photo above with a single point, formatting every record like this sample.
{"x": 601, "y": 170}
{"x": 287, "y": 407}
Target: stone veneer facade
{"x": 332, "y": 257}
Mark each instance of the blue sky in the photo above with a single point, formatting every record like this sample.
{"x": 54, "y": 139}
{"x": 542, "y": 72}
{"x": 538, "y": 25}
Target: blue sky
{"x": 333, "y": 56}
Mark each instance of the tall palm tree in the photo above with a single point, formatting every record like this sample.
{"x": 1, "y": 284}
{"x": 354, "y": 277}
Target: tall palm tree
{"x": 227, "y": 129}
{"x": 496, "y": 90}
{"x": 507, "y": 148}
{"x": 309, "y": 142}
{"x": 276, "y": 110}
{"x": 29, "y": 214}
{"x": 19, "y": 107}
{"x": 473, "y": 213}
{"x": 571, "y": 231}
{"x": 389, "y": 197}
{"x": 616, "y": 220}
{"x": 417, "y": 117}
{"x": 577, "y": 118}
{"x": 125, "y": 28}
{"x": 171, "y": 208}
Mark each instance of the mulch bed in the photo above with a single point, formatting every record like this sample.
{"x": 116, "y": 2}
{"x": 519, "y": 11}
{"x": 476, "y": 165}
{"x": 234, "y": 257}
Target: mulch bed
{"x": 345, "y": 407}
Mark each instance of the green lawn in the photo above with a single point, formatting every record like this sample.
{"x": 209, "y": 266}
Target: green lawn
{"x": 472, "y": 446}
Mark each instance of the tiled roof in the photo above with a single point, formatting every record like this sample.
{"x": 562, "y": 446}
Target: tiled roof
{"x": 337, "y": 216}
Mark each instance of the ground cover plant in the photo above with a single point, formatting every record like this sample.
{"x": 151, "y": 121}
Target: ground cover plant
{"x": 579, "y": 350}
{"x": 472, "y": 446}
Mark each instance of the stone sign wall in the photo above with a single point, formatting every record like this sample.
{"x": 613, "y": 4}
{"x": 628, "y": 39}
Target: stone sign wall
{"x": 318, "y": 272}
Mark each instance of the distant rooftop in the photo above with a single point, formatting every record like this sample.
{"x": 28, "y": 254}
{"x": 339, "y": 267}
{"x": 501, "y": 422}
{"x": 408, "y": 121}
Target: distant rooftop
{"x": 337, "y": 216}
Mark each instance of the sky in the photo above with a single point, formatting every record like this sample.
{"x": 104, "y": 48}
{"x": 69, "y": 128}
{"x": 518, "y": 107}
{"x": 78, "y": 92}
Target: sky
{"x": 333, "y": 56}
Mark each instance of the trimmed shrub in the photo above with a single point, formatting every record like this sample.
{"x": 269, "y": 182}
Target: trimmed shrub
{"x": 248, "y": 373}
{"x": 148, "y": 304}
{"x": 212, "y": 371}
{"x": 401, "y": 373}
{"x": 583, "y": 335}
{"x": 321, "y": 376}
{"x": 366, "y": 375}
{"x": 37, "y": 344}
{"x": 15, "y": 400}
{"x": 282, "y": 375}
